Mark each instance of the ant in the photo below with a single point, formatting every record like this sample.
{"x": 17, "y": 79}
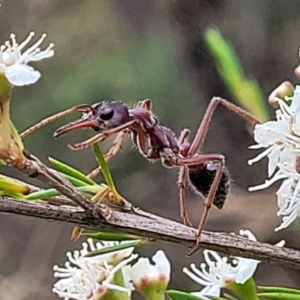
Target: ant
{"x": 207, "y": 173}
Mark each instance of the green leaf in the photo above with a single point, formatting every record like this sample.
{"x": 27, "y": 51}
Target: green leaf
{"x": 275, "y": 289}
{"x": 105, "y": 170}
{"x": 8, "y": 186}
{"x": 280, "y": 296}
{"x": 246, "y": 91}
{"x": 111, "y": 236}
{"x": 12, "y": 195}
{"x": 178, "y": 295}
{"x": 116, "y": 248}
{"x": 76, "y": 182}
{"x": 219, "y": 298}
{"x": 45, "y": 194}
{"x": 68, "y": 170}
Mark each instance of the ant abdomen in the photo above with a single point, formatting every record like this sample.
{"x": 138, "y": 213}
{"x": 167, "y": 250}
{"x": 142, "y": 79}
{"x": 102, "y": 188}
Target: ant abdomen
{"x": 202, "y": 176}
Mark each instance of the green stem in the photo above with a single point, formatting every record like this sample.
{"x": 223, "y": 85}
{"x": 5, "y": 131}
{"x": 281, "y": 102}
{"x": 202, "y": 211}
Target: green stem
{"x": 5, "y": 137}
{"x": 16, "y": 136}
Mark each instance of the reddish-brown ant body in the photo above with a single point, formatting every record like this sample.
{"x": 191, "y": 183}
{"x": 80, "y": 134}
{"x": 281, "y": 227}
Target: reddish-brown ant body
{"x": 207, "y": 172}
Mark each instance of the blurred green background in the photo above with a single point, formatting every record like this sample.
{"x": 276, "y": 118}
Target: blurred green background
{"x": 135, "y": 49}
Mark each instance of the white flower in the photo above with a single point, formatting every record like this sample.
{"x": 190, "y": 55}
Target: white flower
{"x": 151, "y": 279}
{"x": 89, "y": 277}
{"x": 143, "y": 272}
{"x": 282, "y": 140}
{"x": 218, "y": 272}
{"x": 14, "y": 59}
{"x": 288, "y": 200}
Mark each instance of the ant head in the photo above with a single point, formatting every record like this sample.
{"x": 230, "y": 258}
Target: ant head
{"x": 108, "y": 114}
{"x": 99, "y": 116}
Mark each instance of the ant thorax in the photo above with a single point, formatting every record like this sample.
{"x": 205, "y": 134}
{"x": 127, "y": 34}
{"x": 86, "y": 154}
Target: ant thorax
{"x": 150, "y": 137}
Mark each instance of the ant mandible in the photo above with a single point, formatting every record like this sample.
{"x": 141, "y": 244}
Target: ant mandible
{"x": 207, "y": 173}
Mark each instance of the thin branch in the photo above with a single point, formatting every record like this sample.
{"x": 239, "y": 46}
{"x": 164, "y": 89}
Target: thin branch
{"x": 157, "y": 228}
{"x": 34, "y": 168}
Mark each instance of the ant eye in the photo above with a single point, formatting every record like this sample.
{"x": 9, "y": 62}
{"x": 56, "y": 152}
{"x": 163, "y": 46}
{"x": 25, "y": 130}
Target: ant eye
{"x": 107, "y": 114}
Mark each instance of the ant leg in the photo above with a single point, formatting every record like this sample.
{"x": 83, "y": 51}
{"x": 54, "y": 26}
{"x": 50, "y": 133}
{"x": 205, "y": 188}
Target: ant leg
{"x": 183, "y": 138}
{"x": 203, "y": 128}
{"x": 196, "y": 146}
{"x": 101, "y": 136}
{"x": 195, "y": 161}
{"x": 184, "y": 134}
{"x": 208, "y": 202}
{"x": 52, "y": 118}
{"x": 181, "y": 185}
{"x": 146, "y": 104}
{"x": 117, "y": 144}
{"x": 94, "y": 173}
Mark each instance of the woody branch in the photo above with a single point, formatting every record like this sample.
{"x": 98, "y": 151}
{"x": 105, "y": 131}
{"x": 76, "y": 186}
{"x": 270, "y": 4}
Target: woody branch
{"x": 156, "y": 228}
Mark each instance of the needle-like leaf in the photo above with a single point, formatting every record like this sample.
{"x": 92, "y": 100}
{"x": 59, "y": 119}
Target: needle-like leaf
{"x": 246, "y": 91}
{"x": 68, "y": 170}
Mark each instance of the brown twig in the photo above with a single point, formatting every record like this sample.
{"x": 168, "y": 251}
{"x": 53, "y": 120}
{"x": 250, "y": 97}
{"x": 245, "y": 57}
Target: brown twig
{"x": 154, "y": 227}
{"x": 34, "y": 168}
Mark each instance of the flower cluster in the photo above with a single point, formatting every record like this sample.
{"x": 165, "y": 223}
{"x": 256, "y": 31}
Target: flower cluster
{"x": 109, "y": 274}
{"x": 90, "y": 277}
{"x": 281, "y": 138}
